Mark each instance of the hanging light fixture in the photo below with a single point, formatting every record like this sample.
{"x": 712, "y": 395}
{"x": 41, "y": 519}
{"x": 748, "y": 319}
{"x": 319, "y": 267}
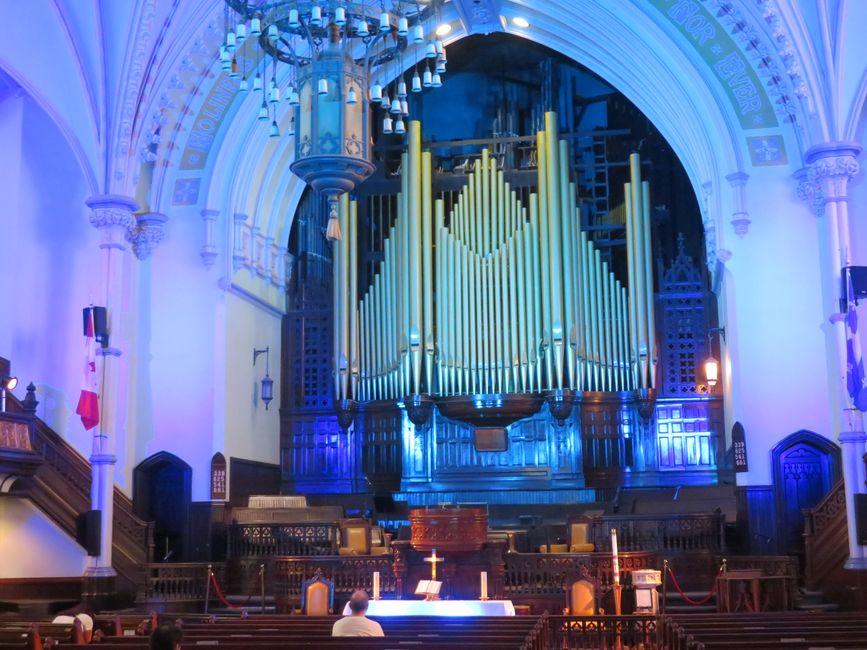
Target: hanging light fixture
{"x": 267, "y": 393}
{"x": 711, "y": 365}
{"x": 339, "y": 51}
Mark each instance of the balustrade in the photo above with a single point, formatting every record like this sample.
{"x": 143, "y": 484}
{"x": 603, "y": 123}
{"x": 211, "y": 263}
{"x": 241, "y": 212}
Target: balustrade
{"x": 176, "y": 581}
{"x": 248, "y": 541}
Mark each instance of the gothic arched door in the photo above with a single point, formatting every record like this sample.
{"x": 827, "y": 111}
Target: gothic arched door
{"x": 161, "y": 493}
{"x": 806, "y": 466}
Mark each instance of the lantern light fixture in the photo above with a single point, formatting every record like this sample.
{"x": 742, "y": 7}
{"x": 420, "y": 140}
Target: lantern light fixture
{"x": 711, "y": 365}
{"x": 267, "y": 393}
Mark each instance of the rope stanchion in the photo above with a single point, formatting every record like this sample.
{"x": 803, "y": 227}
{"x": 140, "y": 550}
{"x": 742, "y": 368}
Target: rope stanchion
{"x": 696, "y": 603}
{"x": 222, "y": 598}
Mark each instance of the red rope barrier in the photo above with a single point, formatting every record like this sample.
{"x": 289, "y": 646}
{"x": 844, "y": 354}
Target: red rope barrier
{"x": 689, "y": 600}
{"x": 222, "y": 597}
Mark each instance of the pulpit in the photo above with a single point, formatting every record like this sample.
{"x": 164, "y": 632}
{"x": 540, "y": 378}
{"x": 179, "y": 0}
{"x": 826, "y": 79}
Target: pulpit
{"x": 459, "y": 536}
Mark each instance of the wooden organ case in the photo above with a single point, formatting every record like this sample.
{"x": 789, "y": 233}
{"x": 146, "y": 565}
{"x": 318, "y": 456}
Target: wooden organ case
{"x": 482, "y": 343}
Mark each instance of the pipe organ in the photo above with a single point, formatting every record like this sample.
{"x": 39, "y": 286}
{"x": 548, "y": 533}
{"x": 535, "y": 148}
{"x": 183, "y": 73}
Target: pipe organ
{"x": 493, "y": 294}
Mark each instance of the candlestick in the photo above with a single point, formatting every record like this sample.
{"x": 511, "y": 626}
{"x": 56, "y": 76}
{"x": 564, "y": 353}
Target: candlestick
{"x": 376, "y": 585}
{"x": 483, "y": 589}
{"x": 615, "y": 561}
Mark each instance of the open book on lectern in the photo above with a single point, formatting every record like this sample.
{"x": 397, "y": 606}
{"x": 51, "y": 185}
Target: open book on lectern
{"x": 428, "y": 587}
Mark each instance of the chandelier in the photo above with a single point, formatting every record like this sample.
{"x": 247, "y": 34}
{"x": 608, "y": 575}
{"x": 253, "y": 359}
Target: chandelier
{"x": 342, "y": 56}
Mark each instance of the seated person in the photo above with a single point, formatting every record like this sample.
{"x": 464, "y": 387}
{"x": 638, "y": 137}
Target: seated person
{"x": 166, "y": 637}
{"x": 356, "y": 624}
{"x": 86, "y": 621}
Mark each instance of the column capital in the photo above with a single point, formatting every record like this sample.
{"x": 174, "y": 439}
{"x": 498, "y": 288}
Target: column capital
{"x": 111, "y": 210}
{"x": 831, "y": 166}
{"x": 148, "y": 232}
{"x": 112, "y": 215}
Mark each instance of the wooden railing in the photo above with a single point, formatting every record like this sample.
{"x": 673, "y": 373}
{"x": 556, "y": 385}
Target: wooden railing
{"x": 542, "y": 580}
{"x": 625, "y": 632}
{"x": 176, "y": 581}
{"x": 254, "y": 541}
{"x": 348, "y": 573}
{"x": 662, "y": 533}
{"x": 826, "y": 539}
{"x": 61, "y": 489}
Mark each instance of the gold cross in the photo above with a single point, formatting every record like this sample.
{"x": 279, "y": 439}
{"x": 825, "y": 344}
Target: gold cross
{"x": 433, "y": 559}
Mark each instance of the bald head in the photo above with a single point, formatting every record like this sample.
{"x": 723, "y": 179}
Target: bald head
{"x": 359, "y": 601}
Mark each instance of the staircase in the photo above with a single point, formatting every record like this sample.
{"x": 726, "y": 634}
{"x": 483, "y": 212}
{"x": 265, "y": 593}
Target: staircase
{"x": 60, "y": 488}
{"x": 826, "y": 545}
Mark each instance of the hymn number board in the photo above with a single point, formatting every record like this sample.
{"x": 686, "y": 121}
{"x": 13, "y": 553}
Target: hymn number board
{"x": 218, "y": 477}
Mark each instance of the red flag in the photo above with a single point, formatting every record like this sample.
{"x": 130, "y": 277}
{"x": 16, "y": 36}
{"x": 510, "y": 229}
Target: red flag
{"x": 88, "y": 403}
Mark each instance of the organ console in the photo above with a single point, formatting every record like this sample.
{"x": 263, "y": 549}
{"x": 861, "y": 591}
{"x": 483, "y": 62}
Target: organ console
{"x": 496, "y": 295}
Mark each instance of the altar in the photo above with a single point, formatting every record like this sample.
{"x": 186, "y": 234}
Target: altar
{"x": 438, "y": 608}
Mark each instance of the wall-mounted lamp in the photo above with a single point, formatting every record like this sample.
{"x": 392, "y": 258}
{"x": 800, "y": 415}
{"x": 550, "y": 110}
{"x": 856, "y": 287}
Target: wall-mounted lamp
{"x": 6, "y": 383}
{"x": 711, "y": 365}
{"x": 267, "y": 383}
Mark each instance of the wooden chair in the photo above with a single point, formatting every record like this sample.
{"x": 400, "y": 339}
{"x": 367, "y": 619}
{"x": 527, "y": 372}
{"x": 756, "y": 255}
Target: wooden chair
{"x": 579, "y": 533}
{"x": 582, "y": 598}
{"x": 317, "y": 596}
{"x": 354, "y": 537}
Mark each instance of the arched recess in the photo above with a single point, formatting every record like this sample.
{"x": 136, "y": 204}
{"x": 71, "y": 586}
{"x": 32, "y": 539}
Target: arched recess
{"x": 162, "y": 494}
{"x": 805, "y": 468}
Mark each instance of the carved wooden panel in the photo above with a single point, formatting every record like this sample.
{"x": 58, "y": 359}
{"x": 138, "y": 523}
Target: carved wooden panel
{"x": 684, "y": 325}
{"x": 685, "y": 437}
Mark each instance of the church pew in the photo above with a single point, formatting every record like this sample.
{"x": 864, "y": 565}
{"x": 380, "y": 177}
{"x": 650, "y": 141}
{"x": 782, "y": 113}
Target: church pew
{"x": 327, "y": 642}
{"x": 36, "y": 636}
{"x": 764, "y": 630}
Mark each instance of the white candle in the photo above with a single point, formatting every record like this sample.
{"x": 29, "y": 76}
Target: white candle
{"x": 615, "y": 563}
{"x": 483, "y": 578}
{"x": 376, "y": 585}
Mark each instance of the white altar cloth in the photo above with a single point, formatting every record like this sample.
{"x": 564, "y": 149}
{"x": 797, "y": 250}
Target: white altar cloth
{"x": 438, "y": 608}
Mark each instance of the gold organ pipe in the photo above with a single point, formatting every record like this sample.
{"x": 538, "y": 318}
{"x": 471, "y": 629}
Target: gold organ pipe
{"x": 648, "y": 275}
{"x": 594, "y": 309}
{"x": 476, "y": 208}
{"x": 541, "y": 205}
{"x": 607, "y": 324}
{"x": 638, "y": 253}
{"x": 442, "y": 304}
{"x": 343, "y": 253}
{"x": 599, "y": 302}
{"x": 495, "y": 319}
{"x": 338, "y": 305}
{"x": 631, "y": 282}
{"x": 567, "y": 203}
{"x": 577, "y": 252}
{"x": 522, "y": 319}
{"x": 514, "y": 354}
{"x": 427, "y": 270}
{"x": 624, "y": 307}
{"x": 621, "y": 337}
{"x": 466, "y": 325}
{"x": 552, "y": 183}
{"x": 352, "y": 303}
{"x": 413, "y": 215}
{"x": 538, "y": 310}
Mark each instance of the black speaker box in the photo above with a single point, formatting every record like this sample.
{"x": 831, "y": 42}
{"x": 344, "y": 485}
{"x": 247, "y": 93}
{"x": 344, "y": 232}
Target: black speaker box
{"x": 861, "y": 518}
{"x": 100, "y": 324}
{"x": 87, "y": 531}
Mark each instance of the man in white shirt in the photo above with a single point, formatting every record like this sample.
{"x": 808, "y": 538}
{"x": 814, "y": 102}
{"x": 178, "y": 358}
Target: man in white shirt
{"x": 357, "y": 624}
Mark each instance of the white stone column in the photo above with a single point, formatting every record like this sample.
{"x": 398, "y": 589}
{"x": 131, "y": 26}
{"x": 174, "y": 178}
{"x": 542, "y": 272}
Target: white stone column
{"x": 113, "y": 217}
{"x": 831, "y": 166}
